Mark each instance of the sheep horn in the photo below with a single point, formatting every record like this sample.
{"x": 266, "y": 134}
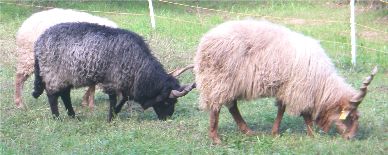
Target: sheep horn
{"x": 363, "y": 89}
{"x": 178, "y": 72}
{"x": 185, "y": 89}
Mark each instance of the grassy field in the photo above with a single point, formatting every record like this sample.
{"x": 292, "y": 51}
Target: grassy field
{"x": 178, "y": 30}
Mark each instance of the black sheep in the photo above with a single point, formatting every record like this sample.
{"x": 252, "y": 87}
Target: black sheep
{"x": 72, "y": 55}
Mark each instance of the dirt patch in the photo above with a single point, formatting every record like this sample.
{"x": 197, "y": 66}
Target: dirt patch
{"x": 382, "y": 20}
{"x": 383, "y": 88}
{"x": 297, "y": 21}
{"x": 373, "y": 35}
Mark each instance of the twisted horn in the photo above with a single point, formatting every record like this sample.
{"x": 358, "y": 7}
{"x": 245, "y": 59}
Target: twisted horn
{"x": 185, "y": 89}
{"x": 363, "y": 89}
{"x": 178, "y": 72}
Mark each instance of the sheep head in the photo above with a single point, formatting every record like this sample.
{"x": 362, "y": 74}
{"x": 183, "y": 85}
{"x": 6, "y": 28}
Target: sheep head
{"x": 165, "y": 107}
{"x": 347, "y": 118}
{"x": 164, "y": 103}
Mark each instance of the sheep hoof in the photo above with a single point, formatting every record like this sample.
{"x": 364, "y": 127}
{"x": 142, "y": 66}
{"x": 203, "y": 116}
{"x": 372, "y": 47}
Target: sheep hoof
{"x": 275, "y": 134}
{"x": 216, "y": 141}
{"x": 250, "y": 133}
{"x": 20, "y": 106}
{"x": 84, "y": 104}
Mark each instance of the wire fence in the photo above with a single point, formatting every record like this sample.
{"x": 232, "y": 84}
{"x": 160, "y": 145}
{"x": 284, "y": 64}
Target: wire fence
{"x": 206, "y": 23}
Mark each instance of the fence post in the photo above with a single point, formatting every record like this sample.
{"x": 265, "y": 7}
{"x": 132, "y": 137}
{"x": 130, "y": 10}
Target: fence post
{"x": 152, "y": 16}
{"x": 353, "y": 32}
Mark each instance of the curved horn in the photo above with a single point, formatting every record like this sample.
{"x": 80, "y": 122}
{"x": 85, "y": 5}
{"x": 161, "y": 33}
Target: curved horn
{"x": 363, "y": 89}
{"x": 178, "y": 72}
{"x": 185, "y": 89}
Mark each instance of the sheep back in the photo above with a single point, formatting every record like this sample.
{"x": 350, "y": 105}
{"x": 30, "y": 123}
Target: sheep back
{"x": 82, "y": 54}
{"x": 37, "y": 23}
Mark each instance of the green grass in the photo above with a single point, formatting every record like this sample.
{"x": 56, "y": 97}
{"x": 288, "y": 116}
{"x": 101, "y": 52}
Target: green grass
{"x": 134, "y": 131}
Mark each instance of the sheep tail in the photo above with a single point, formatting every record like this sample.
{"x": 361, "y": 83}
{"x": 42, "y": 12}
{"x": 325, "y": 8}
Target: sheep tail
{"x": 38, "y": 83}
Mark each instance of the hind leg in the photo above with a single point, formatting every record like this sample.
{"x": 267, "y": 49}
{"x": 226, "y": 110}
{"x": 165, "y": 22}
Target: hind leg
{"x": 65, "y": 96}
{"x": 213, "y": 133}
{"x": 242, "y": 125}
{"x": 53, "y": 101}
{"x": 25, "y": 68}
{"x": 279, "y": 117}
{"x": 88, "y": 98}
{"x": 19, "y": 83}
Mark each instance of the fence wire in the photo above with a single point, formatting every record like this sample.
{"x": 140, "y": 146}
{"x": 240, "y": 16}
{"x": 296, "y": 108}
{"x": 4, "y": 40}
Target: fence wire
{"x": 219, "y": 11}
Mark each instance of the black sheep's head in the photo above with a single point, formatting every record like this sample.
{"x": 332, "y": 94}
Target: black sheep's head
{"x": 165, "y": 109}
{"x": 164, "y": 102}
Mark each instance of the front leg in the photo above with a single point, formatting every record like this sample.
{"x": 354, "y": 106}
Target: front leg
{"x": 65, "y": 95}
{"x": 279, "y": 117}
{"x": 125, "y": 98}
{"x": 120, "y": 105}
{"x": 309, "y": 123}
{"x": 112, "y": 105}
{"x": 214, "y": 115}
{"x": 53, "y": 101}
{"x": 242, "y": 125}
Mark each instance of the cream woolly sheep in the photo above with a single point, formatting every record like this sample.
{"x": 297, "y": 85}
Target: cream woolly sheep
{"x": 29, "y": 32}
{"x": 251, "y": 59}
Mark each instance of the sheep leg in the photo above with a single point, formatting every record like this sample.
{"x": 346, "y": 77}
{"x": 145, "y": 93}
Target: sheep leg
{"x": 65, "y": 96}
{"x": 309, "y": 123}
{"x": 112, "y": 105}
{"x": 91, "y": 97}
{"x": 279, "y": 117}
{"x": 120, "y": 105}
{"x": 242, "y": 125}
{"x": 19, "y": 83}
{"x": 53, "y": 101}
{"x": 88, "y": 98}
{"x": 214, "y": 115}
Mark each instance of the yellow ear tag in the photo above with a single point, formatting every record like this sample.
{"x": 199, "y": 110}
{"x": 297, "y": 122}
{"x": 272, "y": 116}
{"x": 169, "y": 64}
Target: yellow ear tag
{"x": 344, "y": 114}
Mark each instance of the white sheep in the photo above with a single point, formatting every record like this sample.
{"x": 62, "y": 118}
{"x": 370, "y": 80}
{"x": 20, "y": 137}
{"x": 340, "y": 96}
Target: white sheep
{"x": 30, "y": 31}
{"x": 249, "y": 59}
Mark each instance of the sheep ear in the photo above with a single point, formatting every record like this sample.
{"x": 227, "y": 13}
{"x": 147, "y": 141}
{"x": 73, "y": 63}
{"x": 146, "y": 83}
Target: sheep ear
{"x": 178, "y": 72}
{"x": 184, "y": 90}
{"x": 344, "y": 114}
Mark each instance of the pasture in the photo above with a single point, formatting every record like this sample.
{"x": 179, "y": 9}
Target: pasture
{"x": 178, "y": 30}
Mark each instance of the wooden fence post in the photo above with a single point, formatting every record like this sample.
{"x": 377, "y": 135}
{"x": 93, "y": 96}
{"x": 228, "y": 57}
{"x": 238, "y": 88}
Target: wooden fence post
{"x": 152, "y": 15}
{"x": 353, "y": 32}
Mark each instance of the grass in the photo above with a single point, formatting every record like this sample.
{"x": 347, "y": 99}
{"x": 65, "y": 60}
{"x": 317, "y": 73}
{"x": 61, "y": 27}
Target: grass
{"x": 134, "y": 131}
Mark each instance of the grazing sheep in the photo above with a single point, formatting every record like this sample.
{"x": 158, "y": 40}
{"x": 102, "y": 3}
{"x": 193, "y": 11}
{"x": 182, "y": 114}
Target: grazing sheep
{"x": 248, "y": 59}
{"x": 73, "y": 55}
{"x": 29, "y": 32}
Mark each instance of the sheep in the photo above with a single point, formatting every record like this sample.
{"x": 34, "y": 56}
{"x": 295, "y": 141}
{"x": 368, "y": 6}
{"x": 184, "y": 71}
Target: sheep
{"x": 29, "y": 32}
{"x": 73, "y": 55}
{"x": 251, "y": 59}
